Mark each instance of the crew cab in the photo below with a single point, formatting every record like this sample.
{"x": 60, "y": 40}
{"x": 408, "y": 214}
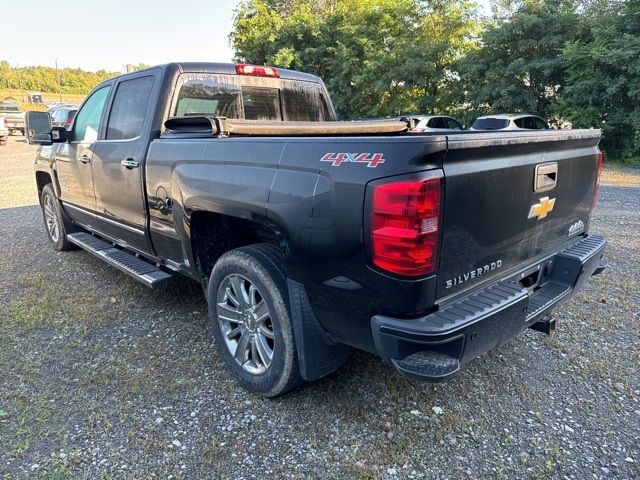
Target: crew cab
{"x": 312, "y": 236}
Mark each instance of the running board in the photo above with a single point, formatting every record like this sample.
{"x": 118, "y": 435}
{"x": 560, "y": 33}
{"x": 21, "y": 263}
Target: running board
{"x": 128, "y": 263}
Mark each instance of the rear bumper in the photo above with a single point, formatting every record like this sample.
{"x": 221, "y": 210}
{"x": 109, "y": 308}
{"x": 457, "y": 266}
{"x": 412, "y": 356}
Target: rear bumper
{"x": 434, "y": 347}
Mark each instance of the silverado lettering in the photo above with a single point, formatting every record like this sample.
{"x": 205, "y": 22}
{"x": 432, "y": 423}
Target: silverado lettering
{"x": 473, "y": 274}
{"x": 212, "y": 171}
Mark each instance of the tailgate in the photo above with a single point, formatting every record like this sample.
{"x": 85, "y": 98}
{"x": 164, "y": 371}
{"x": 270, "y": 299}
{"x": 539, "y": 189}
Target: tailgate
{"x": 494, "y": 219}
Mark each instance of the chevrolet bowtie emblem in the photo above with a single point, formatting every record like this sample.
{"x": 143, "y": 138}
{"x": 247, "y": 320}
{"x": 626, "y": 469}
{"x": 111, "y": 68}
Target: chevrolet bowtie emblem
{"x": 541, "y": 209}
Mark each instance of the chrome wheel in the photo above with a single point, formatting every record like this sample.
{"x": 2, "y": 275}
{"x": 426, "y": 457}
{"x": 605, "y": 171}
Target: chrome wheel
{"x": 51, "y": 218}
{"x": 246, "y": 324}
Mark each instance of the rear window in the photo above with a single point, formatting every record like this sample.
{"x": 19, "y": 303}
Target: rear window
{"x": 304, "y": 102}
{"x": 261, "y": 103}
{"x": 251, "y": 98}
{"x": 490, "y": 123}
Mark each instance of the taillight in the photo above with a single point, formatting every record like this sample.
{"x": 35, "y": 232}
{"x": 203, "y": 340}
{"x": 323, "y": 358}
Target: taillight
{"x": 256, "y": 70}
{"x": 596, "y": 190}
{"x": 405, "y": 226}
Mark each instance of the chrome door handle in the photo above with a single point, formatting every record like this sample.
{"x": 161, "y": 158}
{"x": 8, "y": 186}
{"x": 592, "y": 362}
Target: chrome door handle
{"x": 129, "y": 163}
{"x": 84, "y": 159}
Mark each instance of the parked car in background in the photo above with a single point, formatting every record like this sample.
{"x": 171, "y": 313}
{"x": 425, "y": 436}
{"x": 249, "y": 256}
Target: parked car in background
{"x": 510, "y": 121}
{"x": 13, "y": 117}
{"x": 4, "y": 132}
{"x": 62, "y": 117}
{"x": 56, "y": 105}
{"x": 435, "y": 123}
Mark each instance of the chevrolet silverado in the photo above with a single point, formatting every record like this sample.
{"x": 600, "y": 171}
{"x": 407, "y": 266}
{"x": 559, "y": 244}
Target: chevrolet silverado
{"x": 312, "y": 236}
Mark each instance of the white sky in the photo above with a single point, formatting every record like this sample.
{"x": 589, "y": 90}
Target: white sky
{"x": 95, "y": 35}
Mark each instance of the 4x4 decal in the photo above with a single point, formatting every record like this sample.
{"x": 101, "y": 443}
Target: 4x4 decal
{"x": 371, "y": 159}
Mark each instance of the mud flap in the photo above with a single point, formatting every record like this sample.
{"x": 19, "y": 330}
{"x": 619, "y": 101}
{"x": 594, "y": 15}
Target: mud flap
{"x": 318, "y": 354}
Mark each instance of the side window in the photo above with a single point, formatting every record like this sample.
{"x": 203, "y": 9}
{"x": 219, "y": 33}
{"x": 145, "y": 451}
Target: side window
{"x": 129, "y": 108}
{"x": 261, "y": 103}
{"x": 519, "y": 123}
{"x": 541, "y": 124}
{"x": 453, "y": 125}
{"x": 437, "y": 122}
{"x": 88, "y": 118}
{"x": 207, "y": 95}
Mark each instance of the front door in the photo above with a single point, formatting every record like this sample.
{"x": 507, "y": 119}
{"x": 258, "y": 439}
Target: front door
{"x": 118, "y": 163}
{"x": 73, "y": 159}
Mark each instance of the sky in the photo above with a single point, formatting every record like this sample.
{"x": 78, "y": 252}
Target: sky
{"x": 109, "y": 34}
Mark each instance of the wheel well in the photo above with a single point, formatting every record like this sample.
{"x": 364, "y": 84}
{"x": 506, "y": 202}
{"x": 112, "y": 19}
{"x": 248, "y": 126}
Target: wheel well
{"x": 213, "y": 234}
{"x": 42, "y": 178}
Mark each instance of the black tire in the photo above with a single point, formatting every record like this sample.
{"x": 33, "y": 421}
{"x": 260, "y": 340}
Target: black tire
{"x": 259, "y": 265}
{"x": 53, "y": 224}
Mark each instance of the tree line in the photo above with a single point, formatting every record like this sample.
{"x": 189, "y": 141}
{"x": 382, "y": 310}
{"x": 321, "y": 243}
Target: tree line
{"x": 570, "y": 61}
{"x": 45, "y": 79}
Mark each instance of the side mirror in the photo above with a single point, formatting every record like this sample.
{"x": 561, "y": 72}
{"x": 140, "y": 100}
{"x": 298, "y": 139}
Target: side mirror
{"x": 40, "y": 131}
{"x": 38, "y": 125}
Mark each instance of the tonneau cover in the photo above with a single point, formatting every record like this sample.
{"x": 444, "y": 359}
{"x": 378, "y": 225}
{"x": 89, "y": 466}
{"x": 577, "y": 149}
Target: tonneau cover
{"x": 221, "y": 126}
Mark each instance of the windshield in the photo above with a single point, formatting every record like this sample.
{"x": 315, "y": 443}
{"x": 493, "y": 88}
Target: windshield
{"x": 490, "y": 124}
{"x": 9, "y": 107}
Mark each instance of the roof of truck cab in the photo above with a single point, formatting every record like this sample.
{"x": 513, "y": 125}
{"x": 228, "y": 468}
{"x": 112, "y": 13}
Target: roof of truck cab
{"x": 227, "y": 69}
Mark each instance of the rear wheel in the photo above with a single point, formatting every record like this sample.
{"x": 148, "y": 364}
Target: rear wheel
{"x": 251, "y": 320}
{"x": 53, "y": 219}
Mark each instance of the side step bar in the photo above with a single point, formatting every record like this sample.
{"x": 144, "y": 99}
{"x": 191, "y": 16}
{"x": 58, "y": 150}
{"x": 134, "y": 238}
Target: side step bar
{"x": 139, "y": 269}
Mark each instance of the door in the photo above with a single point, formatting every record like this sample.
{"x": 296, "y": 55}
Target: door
{"x": 118, "y": 163}
{"x": 73, "y": 159}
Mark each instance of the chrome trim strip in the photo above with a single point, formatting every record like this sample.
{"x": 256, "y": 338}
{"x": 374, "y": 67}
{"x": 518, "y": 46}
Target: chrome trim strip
{"x": 105, "y": 219}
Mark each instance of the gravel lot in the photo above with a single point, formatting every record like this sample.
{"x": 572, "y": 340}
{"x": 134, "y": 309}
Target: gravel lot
{"x": 102, "y": 378}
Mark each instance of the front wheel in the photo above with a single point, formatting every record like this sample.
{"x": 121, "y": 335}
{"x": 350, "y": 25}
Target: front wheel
{"x": 53, "y": 219}
{"x": 251, "y": 320}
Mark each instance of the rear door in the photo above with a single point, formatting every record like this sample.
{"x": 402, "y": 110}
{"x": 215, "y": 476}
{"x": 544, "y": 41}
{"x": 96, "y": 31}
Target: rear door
{"x": 118, "y": 162}
{"x": 510, "y": 198}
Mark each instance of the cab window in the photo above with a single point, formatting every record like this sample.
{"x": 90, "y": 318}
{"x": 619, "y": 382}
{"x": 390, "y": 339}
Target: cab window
{"x": 129, "y": 108}
{"x": 87, "y": 121}
{"x": 261, "y": 103}
{"x": 207, "y": 95}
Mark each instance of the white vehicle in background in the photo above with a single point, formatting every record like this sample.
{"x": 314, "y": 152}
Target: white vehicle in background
{"x": 510, "y": 121}
{"x": 4, "y": 132}
{"x": 435, "y": 123}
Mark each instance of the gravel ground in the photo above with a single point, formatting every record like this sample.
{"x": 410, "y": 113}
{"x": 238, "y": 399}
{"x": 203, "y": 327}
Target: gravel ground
{"x": 102, "y": 378}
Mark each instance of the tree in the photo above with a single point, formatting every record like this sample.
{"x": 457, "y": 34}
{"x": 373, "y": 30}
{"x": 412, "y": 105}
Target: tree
{"x": 72, "y": 80}
{"x": 520, "y": 66}
{"x": 377, "y": 57}
{"x": 603, "y": 76}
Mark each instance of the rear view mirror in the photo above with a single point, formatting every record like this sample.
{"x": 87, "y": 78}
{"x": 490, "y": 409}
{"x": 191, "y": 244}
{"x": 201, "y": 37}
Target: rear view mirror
{"x": 38, "y": 125}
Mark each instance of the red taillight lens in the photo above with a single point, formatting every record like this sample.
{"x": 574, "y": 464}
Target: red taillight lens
{"x": 256, "y": 70}
{"x": 405, "y": 226}
{"x": 596, "y": 190}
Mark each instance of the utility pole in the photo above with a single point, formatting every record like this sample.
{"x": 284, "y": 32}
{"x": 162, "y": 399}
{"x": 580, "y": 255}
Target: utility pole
{"x": 58, "y": 79}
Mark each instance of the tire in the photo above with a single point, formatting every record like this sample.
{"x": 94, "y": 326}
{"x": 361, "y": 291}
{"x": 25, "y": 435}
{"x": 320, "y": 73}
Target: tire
{"x": 53, "y": 224}
{"x": 232, "y": 296}
{"x": 4, "y": 140}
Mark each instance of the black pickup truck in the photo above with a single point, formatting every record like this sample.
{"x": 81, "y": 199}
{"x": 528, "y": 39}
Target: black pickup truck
{"x": 311, "y": 236}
